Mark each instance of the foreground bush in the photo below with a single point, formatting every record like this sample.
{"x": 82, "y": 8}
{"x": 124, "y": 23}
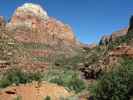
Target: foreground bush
{"x": 67, "y": 78}
{"x": 17, "y": 76}
{"x": 115, "y": 85}
{"x": 47, "y": 98}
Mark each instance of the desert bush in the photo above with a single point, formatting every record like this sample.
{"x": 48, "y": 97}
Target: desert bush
{"x": 35, "y": 46}
{"x": 115, "y": 85}
{"x": 47, "y": 98}
{"x": 69, "y": 98}
{"x": 17, "y": 76}
{"x": 68, "y": 63}
{"x": 67, "y": 78}
{"x": 34, "y": 76}
{"x": 18, "y": 98}
{"x": 40, "y": 59}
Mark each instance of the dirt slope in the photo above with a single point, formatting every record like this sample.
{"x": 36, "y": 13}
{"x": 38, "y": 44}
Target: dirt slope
{"x": 34, "y": 91}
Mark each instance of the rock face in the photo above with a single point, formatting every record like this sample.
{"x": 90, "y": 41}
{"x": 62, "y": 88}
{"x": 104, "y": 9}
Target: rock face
{"x": 122, "y": 51}
{"x": 118, "y": 34}
{"x": 106, "y": 39}
{"x": 2, "y": 21}
{"x": 27, "y": 15}
{"x": 131, "y": 23}
{"x": 11, "y": 53}
{"x": 43, "y": 38}
{"x": 46, "y": 28}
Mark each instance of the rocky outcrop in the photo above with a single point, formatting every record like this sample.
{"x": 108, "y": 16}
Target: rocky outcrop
{"x": 45, "y": 28}
{"x": 122, "y": 51}
{"x": 131, "y": 23}
{"x": 118, "y": 34}
{"x": 104, "y": 40}
{"x": 2, "y": 22}
{"x": 115, "y": 35}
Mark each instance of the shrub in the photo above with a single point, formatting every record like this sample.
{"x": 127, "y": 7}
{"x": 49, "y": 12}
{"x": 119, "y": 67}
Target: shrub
{"x": 35, "y": 46}
{"x": 33, "y": 76}
{"x": 18, "y": 98}
{"x": 47, "y": 98}
{"x": 115, "y": 85}
{"x": 68, "y": 63}
{"x": 71, "y": 80}
{"x": 66, "y": 78}
{"x": 17, "y": 76}
{"x": 70, "y": 98}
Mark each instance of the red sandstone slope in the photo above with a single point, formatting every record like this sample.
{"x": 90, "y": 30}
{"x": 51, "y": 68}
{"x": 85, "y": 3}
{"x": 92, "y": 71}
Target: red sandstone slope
{"x": 34, "y": 91}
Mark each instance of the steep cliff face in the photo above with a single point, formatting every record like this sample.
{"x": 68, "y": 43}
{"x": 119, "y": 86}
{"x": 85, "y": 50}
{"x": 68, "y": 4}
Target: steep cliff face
{"x": 45, "y": 28}
{"x": 44, "y": 38}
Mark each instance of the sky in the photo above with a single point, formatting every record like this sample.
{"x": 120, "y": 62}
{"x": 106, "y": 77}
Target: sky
{"x": 89, "y": 19}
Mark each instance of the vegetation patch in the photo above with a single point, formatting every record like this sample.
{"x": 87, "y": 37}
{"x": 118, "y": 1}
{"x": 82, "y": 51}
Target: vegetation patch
{"x": 35, "y": 46}
{"x": 47, "y": 98}
{"x": 66, "y": 78}
{"x": 40, "y": 59}
{"x": 115, "y": 85}
{"x": 17, "y": 76}
{"x": 123, "y": 39}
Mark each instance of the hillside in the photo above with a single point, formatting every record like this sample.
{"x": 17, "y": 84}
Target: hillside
{"x": 11, "y": 52}
{"x": 43, "y": 38}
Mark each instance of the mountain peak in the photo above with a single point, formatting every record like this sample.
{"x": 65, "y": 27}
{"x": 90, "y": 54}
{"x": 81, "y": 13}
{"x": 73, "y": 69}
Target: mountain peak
{"x": 33, "y": 17}
{"x": 32, "y": 9}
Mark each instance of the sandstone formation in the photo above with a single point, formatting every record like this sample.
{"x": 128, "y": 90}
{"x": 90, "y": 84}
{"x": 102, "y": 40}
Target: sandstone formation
{"x": 105, "y": 40}
{"x": 43, "y": 38}
{"x": 109, "y": 38}
{"x": 11, "y": 52}
{"x": 46, "y": 28}
{"x": 131, "y": 23}
{"x": 118, "y": 34}
{"x": 122, "y": 51}
{"x": 2, "y": 21}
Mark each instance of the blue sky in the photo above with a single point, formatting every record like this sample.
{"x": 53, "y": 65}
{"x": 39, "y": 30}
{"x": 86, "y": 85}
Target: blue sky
{"x": 89, "y": 19}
